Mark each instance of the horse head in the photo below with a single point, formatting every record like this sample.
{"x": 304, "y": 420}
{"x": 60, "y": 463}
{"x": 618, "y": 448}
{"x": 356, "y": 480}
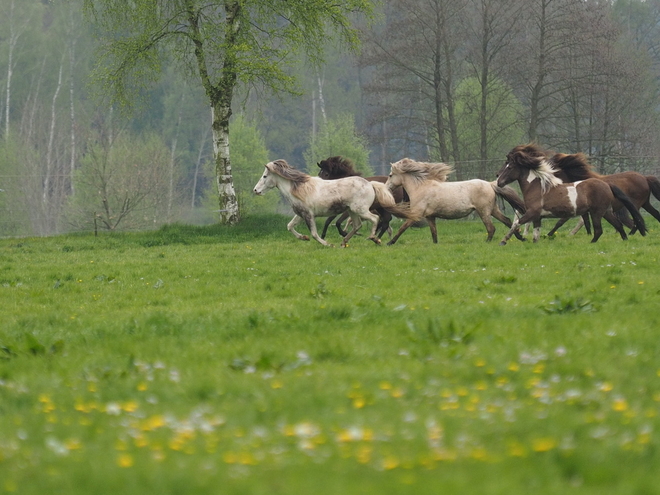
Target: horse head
{"x": 523, "y": 156}
{"x": 337, "y": 167}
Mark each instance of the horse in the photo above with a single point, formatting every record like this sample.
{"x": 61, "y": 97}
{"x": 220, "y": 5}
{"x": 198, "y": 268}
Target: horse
{"x": 638, "y": 187}
{"x": 431, "y": 196}
{"x": 312, "y": 196}
{"x": 545, "y": 194}
{"x": 337, "y": 167}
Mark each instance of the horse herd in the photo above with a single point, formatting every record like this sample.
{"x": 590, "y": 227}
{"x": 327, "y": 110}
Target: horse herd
{"x": 553, "y": 185}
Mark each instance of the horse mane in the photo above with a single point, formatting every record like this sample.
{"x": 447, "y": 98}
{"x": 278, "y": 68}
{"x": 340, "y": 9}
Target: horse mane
{"x": 545, "y": 172}
{"x": 422, "y": 171}
{"x": 338, "y": 167}
{"x": 300, "y": 181}
{"x": 534, "y": 158}
{"x": 576, "y": 167}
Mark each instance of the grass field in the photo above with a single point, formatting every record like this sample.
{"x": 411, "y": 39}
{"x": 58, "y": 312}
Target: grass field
{"x": 243, "y": 361}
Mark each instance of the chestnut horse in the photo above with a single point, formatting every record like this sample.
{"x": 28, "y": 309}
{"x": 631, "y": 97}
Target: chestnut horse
{"x": 311, "y": 196}
{"x": 337, "y": 167}
{"x": 546, "y": 195}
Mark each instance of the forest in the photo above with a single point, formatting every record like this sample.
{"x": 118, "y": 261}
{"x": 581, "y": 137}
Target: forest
{"x": 443, "y": 80}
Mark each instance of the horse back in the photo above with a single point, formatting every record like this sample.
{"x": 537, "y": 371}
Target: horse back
{"x": 633, "y": 184}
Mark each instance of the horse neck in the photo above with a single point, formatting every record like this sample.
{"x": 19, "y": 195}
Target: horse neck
{"x": 411, "y": 185}
{"x": 529, "y": 188}
{"x": 286, "y": 188}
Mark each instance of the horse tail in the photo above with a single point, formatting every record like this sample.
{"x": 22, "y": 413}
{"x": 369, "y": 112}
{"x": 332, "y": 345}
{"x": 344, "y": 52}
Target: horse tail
{"x": 510, "y": 196}
{"x": 634, "y": 212}
{"x": 654, "y": 185}
{"x": 385, "y": 199}
{"x": 383, "y": 194}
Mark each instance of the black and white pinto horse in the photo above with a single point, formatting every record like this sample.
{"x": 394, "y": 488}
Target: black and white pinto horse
{"x": 312, "y": 196}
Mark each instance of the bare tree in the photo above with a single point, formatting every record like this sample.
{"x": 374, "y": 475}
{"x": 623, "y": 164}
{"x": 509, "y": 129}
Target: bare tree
{"x": 492, "y": 26}
{"x": 16, "y": 29}
{"x": 412, "y": 62}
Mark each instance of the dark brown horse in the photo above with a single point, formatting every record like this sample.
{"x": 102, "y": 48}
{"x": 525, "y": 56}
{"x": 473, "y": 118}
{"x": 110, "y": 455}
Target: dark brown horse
{"x": 573, "y": 168}
{"x": 337, "y": 167}
{"x": 546, "y": 195}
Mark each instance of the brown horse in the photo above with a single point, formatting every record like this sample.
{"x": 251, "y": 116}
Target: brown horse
{"x": 573, "y": 168}
{"x": 337, "y": 167}
{"x": 546, "y": 195}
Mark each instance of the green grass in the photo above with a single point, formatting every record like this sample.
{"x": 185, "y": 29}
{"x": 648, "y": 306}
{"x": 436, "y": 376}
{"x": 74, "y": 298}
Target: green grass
{"x": 241, "y": 360}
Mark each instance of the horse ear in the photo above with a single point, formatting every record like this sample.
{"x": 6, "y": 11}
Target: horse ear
{"x": 319, "y": 164}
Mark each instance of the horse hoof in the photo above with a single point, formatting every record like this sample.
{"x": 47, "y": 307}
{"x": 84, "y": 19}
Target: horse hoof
{"x": 502, "y": 243}
{"x": 305, "y": 238}
{"x": 376, "y": 240}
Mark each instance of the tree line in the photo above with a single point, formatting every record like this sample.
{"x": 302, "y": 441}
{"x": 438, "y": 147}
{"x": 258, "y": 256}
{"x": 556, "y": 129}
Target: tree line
{"x": 98, "y": 132}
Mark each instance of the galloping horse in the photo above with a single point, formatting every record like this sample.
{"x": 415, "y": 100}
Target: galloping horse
{"x": 546, "y": 195}
{"x": 311, "y": 196}
{"x": 573, "y": 168}
{"x": 337, "y": 167}
{"x": 431, "y": 196}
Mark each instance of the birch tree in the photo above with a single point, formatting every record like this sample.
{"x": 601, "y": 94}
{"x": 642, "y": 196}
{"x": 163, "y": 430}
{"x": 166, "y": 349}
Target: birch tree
{"x": 225, "y": 43}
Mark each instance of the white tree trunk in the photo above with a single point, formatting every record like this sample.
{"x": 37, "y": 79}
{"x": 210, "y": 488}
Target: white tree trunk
{"x": 51, "y": 141}
{"x": 72, "y": 63}
{"x": 13, "y": 39}
{"x": 228, "y": 201}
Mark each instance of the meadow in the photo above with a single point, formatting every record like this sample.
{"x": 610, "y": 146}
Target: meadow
{"x": 241, "y": 360}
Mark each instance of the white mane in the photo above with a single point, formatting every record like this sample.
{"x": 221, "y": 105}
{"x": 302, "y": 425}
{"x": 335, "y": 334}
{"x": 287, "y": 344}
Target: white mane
{"x": 546, "y": 174}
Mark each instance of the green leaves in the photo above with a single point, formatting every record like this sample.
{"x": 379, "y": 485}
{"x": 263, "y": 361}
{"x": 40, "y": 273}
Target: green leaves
{"x": 227, "y": 41}
{"x": 569, "y": 304}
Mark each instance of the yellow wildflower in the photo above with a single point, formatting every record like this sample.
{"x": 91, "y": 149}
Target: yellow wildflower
{"x": 125, "y": 460}
{"x": 543, "y": 444}
{"x": 620, "y": 405}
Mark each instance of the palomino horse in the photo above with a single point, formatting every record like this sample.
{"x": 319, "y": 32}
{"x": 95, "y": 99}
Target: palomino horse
{"x": 337, "y": 167}
{"x": 546, "y": 195}
{"x": 431, "y": 196}
{"x": 311, "y": 196}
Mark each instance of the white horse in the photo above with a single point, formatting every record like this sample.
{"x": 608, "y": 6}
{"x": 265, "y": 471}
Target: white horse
{"x": 431, "y": 196}
{"x": 312, "y": 196}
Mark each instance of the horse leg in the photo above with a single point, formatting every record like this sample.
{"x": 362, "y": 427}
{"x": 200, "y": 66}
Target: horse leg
{"x": 385, "y": 217}
{"x": 490, "y": 228}
{"x": 648, "y": 207}
{"x": 357, "y": 223}
{"x": 402, "y": 229}
{"x": 577, "y": 228}
{"x": 356, "y": 220}
{"x": 497, "y": 213}
{"x": 433, "y": 228}
{"x": 598, "y": 227}
{"x": 326, "y": 225}
{"x": 527, "y": 217}
{"x": 311, "y": 225}
{"x": 616, "y": 223}
{"x": 341, "y": 220}
{"x": 291, "y": 227}
{"x": 375, "y": 221}
{"x": 537, "y": 229}
{"x": 557, "y": 226}
{"x": 587, "y": 223}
